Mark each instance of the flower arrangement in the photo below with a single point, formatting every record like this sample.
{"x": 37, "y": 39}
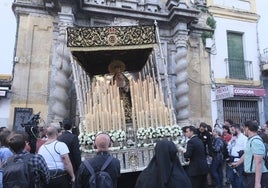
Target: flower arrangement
{"x": 86, "y": 139}
{"x": 150, "y": 133}
{"x": 145, "y": 136}
{"x": 117, "y": 135}
{"x": 146, "y": 133}
{"x": 176, "y": 131}
{"x": 159, "y": 132}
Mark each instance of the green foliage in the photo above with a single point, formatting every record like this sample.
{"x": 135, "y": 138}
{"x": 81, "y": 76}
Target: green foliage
{"x": 206, "y": 35}
{"x": 204, "y": 9}
{"x": 211, "y": 22}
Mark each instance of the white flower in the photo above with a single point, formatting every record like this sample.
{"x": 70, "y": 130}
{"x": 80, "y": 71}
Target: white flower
{"x": 117, "y": 135}
{"x": 86, "y": 139}
{"x": 141, "y": 133}
{"x": 176, "y": 131}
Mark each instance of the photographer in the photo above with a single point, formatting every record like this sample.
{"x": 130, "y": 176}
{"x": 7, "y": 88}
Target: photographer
{"x": 236, "y": 146}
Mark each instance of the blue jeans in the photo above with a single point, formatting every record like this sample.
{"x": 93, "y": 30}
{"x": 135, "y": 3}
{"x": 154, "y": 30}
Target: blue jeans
{"x": 216, "y": 171}
{"x": 236, "y": 178}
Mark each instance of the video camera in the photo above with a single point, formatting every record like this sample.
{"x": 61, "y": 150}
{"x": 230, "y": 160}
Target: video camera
{"x": 31, "y": 128}
{"x": 33, "y": 121}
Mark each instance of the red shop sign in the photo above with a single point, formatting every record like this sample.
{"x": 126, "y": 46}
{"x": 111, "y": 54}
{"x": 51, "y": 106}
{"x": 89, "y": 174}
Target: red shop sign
{"x": 249, "y": 92}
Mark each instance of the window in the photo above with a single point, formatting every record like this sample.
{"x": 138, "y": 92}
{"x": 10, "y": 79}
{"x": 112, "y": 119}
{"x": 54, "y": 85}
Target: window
{"x": 236, "y": 63}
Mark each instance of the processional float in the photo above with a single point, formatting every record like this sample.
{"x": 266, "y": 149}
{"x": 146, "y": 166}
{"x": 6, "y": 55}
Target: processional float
{"x": 119, "y": 90}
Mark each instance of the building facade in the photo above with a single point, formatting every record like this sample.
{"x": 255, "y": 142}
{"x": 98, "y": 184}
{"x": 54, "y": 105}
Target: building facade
{"x": 43, "y": 78}
{"x": 263, "y": 48}
{"x": 237, "y": 92}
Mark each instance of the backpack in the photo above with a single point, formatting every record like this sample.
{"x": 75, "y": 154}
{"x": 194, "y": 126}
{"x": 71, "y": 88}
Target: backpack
{"x": 100, "y": 179}
{"x": 17, "y": 172}
{"x": 265, "y": 158}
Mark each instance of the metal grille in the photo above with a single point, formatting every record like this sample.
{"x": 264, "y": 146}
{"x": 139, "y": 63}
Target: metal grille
{"x": 240, "y": 111}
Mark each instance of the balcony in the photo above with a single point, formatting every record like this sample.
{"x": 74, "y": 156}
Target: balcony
{"x": 239, "y": 69}
{"x": 264, "y": 60}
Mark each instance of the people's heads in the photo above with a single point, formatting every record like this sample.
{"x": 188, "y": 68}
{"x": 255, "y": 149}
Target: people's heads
{"x": 217, "y": 131}
{"x": 4, "y": 138}
{"x": 24, "y": 134}
{"x": 184, "y": 130}
{"x": 67, "y": 124}
{"x": 263, "y": 135}
{"x": 235, "y": 129}
{"x": 190, "y": 131}
{"x": 42, "y": 132}
{"x": 251, "y": 127}
{"x": 16, "y": 142}
{"x": 165, "y": 150}
{"x": 57, "y": 125}
{"x": 265, "y": 127}
{"x": 228, "y": 122}
{"x": 226, "y": 129}
{"x": 102, "y": 142}
{"x": 3, "y": 129}
{"x": 52, "y": 132}
{"x": 209, "y": 128}
{"x": 165, "y": 159}
{"x": 202, "y": 127}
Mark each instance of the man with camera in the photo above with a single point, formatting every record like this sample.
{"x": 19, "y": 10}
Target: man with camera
{"x": 236, "y": 147}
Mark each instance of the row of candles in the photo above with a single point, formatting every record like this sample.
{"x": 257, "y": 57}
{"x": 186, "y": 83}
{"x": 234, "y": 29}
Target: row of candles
{"x": 104, "y": 107}
{"x": 148, "y": 105}
{"x": 106, "y": 110}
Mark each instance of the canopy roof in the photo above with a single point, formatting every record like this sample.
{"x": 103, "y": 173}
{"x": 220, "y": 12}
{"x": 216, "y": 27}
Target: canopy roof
{"x": 97, "y": 48}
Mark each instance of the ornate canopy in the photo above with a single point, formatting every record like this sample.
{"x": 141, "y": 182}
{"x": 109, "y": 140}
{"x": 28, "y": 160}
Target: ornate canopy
{"x": 96, "y": 47}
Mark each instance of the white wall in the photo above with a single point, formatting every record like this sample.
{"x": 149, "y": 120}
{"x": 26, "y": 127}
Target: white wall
{"x": 249, "y": 43}
{"x": 238, "y": 4}
{"x": 262, "y": 6}
{"x": 4, "y": 110}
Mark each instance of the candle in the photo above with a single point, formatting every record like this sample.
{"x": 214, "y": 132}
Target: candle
{"x": 133, "y": 118}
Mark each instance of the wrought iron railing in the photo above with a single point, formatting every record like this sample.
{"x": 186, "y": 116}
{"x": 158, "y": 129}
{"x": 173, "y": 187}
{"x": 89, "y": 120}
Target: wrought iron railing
{"x": 239, "y": 69}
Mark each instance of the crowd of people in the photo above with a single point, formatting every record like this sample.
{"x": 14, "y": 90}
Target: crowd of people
{"x": 53, "y": 164}
{"x": 225, "y": 154}
{"x": 221, "y": 156}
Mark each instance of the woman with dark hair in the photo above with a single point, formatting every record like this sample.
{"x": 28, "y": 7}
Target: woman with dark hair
{"x": 226, "y": 134}
{"x": 164, "y": 169}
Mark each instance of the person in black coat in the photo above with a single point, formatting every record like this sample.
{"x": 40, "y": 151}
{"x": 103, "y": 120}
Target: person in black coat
{"x": 164, "y": 169}
{"x": 206, "y": 137}
{"x": 72, "y": 142}
{"x": 198, "y": 167}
